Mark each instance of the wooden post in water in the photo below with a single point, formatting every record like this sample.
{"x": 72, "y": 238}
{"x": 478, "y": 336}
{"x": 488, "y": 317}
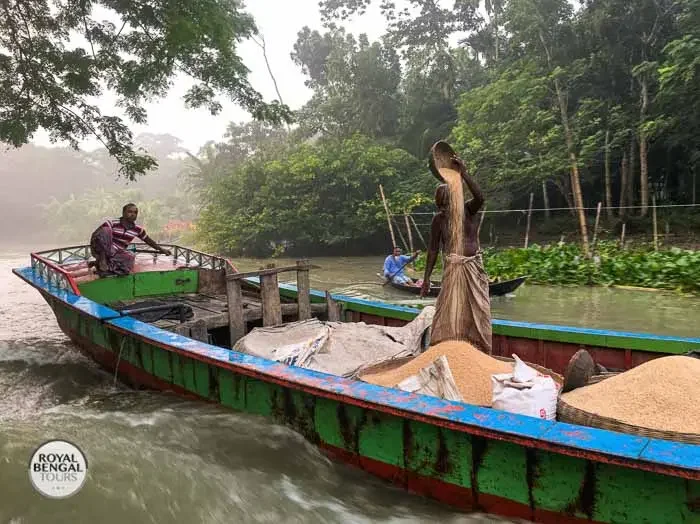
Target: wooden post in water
{"x": 420, "y": 235}
{"x": 410, "y": 235}
{"x": 656, "y": 232}
{"x": 622, "y": 236}
{"x": 481, "y": 221}
{"x": 270, "y": 294}
{"x": 388, "y": 217}
{"x": 529, "y": 215}
{"x": 234, "y": 297}
{"x": 597, "y": 221}
{"x": 303, "y": 290}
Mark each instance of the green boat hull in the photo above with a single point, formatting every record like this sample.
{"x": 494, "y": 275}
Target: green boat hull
{"x": 470, "y": 458}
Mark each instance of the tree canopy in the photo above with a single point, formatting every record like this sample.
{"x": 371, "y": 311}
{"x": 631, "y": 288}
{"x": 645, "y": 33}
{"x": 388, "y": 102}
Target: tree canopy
{"x": 573, "y": 103}
{"x": 57, "y": 56}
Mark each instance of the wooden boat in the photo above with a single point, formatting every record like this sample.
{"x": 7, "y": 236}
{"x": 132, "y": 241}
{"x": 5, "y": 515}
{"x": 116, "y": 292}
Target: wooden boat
{"x": 465, "y": 456}
{"x": 496, "y": 289}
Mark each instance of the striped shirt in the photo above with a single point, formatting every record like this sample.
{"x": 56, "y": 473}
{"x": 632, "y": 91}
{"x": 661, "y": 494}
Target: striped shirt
{"x": 123, "y": 236}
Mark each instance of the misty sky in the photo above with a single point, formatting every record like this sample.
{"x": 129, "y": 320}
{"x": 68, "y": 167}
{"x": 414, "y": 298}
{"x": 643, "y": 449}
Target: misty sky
{"x": 279, "y": 21}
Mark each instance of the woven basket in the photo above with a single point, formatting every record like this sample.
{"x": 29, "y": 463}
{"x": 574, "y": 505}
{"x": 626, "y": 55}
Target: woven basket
{"x": 572, "y": 415}
{"x": 440, "y": 157}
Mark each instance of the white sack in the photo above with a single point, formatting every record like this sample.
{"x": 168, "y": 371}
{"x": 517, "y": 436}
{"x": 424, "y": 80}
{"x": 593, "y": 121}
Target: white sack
{"x": 526, "y": 392}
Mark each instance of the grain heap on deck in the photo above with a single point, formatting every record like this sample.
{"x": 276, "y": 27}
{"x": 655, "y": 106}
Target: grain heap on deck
{"x": 471, "y": 369}
{"x": 662, "y": 394}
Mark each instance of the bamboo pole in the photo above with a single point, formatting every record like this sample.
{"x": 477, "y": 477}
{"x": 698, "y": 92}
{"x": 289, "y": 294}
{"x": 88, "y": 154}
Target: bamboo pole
{"x": 398, "y": 230}
{"x": 545, "y": 197}
{"x": 529, "y": 216}
{"x": 420, "y": 235}
{"x": 597, "y": 221}
{"x": 622, "y": 236}
{"x": 410, "y": 235}
{"x": 388, "y": 217}
{"x": 656, "y": 232}
{"x": 481, "y": 223}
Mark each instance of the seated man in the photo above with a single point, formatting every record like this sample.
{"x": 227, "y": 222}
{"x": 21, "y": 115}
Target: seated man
{"x": 394, "y": 264}
{"x": 108, "y": 243}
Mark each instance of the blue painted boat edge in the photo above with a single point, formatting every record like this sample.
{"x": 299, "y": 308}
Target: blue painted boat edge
{"x": 680, "y": 455}
{"x": 80, "y": 303}
{"x": 581, "y": 438}
{"x": 500, "y": 322}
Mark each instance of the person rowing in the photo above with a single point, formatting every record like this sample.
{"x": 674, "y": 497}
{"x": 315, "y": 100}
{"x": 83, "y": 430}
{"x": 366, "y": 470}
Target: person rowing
{"x": 109, "y": 241}
{"x": 394, "y": 265}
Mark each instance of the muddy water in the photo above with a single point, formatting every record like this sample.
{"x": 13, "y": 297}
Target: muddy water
{"x": 155, "y": 458}
{"x": 594, "y": 307}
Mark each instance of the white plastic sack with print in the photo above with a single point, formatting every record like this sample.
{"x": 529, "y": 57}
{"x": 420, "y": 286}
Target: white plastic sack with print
{"x": 525, "y": 391}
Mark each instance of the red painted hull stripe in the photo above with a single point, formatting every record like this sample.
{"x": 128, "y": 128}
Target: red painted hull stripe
{"x": 428, "y": 419}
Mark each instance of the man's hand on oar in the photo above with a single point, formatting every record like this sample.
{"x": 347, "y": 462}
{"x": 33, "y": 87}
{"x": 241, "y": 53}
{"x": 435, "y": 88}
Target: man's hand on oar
{"x": 391, "y": 278}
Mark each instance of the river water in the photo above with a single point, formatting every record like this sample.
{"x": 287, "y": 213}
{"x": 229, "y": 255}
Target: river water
{"x": 156, "y": 458}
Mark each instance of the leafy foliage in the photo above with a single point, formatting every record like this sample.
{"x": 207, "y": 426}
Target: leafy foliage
{"x": 565, "y": 264}
{"x": 323, "y": 194}
{"x": 597, "y": 100}
{"x": 47, "y": 82}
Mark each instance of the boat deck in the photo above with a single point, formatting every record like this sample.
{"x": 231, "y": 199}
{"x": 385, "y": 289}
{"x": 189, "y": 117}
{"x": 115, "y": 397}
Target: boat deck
{"x": 210, "y": 311}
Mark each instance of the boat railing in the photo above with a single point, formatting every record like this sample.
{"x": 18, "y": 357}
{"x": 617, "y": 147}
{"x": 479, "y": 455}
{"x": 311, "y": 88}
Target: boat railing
{"x": 53, "y": 273}
{"x": 191, "y": 257}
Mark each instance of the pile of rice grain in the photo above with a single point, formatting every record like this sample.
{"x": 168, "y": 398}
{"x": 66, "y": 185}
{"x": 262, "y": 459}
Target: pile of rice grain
{"x": 471, "y": 369}
{"x": 662, "y": 394}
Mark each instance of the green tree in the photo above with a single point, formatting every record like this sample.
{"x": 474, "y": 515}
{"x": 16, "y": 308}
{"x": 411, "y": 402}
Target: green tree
{"x": 47, "y": 80}
{"x": 324, "y": 194}
{"x": 355, "y": 84}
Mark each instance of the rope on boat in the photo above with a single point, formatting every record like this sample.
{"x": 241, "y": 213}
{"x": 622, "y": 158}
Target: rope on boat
{"x": 119, "y": 358}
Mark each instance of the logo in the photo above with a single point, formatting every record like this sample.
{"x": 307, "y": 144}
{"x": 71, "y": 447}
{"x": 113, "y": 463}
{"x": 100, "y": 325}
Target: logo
{"x": 58, "y": 469}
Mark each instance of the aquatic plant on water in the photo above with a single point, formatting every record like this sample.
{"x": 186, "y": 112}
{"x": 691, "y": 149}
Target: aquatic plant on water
{"x": 565, "y": 264}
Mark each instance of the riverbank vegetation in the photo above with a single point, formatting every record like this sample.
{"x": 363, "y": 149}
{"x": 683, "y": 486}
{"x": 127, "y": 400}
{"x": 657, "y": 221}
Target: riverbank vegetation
{"x": 566, "y": 264}
{"x": 570, "y": 105}
{"x": 597, "y": 103}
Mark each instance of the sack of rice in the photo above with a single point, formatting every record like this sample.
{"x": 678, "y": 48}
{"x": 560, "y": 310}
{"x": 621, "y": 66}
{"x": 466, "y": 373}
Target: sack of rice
{"x": 525, "y": 392}
{"x": 660, "y": 395}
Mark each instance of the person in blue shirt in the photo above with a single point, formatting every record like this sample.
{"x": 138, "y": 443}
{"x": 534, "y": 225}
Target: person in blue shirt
{"x": 395, "y": 263}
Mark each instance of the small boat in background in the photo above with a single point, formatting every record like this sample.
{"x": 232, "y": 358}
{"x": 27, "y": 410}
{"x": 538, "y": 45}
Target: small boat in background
{"x": 496, "y": 289}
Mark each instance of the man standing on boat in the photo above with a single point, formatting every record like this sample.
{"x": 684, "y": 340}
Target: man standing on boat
{"x": 394, "y": 265}
{"x": 109, "y": 241}
{"x": 463, "y": 308}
